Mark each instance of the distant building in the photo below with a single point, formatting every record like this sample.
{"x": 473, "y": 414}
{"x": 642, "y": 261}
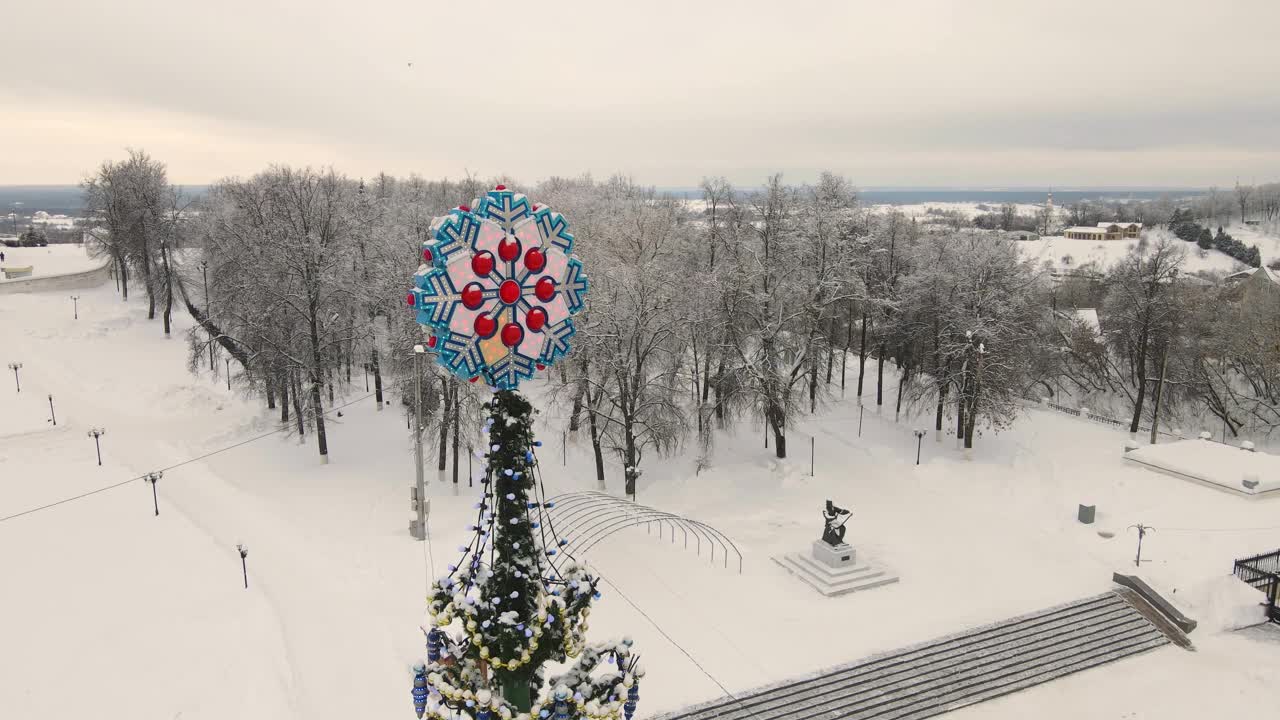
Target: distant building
{"x": 1254, "y": 281}
{"x": 1104, "y": 231}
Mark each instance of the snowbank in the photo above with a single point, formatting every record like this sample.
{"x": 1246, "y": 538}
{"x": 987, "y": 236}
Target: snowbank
{"x": 1225, "y": 466}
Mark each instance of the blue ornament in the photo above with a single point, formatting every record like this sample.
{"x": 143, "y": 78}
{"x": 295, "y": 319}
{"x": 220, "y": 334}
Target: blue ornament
{"x": 633, "y": 696}
{"x": 420, "y": 690}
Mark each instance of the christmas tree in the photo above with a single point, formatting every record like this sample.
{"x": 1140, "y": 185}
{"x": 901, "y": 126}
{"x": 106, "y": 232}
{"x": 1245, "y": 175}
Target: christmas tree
{"x": 515, "y": 602}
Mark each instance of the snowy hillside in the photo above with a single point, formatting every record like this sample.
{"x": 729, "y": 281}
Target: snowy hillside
{"x": 148, "y": 615}
{"x": 1064, "y": 254}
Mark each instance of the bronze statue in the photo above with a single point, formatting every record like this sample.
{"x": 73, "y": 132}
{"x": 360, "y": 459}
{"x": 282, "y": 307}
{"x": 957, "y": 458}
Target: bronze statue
{"x": 833, "y": 528}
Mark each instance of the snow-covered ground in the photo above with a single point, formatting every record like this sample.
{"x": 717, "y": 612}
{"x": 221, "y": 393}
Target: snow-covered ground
{"x": 147, "y": 617}
{"x": 1065, "y": 254}
{"x": 51, "y": 260}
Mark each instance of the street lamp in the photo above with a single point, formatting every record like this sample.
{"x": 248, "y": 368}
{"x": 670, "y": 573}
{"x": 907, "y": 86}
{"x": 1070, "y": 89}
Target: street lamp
{"x": 15, "y": 367}
{"x": 244, "y": 565}
{"x": 75, "y": 306}
{"x": 53, "y": 417}
{"x": 919, "y": 440}
{"x": 97, "y": 433}
{"x": 152, "y": 478}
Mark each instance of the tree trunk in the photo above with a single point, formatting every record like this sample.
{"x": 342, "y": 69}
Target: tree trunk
{"x": 168, "y": 290}
{"x": 880, "y": 375}
{"x": 717, "y": 387}
{"x": 813, "y": 385}
{"x": 776, "y": 417}
{"x": 377, "y": 379}
{"x": 124, "y": 279}
{"x": 1142, "y": 383}
{"x": 595, "y": 444}
{"x": 862, "y": 356}
{"x": 629, "y": 457}
{"x": 297, "y": 404}
{"x": 442, "y": 456}
{"x": 270, "y": 385}
{"x": 456, "y": 416}
{"x": 283, "y": 382}
{"x": 322, "y": 441}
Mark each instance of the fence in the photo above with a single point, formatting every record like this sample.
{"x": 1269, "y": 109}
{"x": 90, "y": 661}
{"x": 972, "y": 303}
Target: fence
{"x": 1263, "y": 573}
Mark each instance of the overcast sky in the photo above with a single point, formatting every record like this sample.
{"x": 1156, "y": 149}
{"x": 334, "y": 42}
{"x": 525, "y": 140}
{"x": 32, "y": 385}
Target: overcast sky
{"x": 922, "y": 93}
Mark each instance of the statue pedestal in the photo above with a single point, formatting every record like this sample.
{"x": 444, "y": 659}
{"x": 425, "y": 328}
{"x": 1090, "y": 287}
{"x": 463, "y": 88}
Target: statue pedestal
{"x": 835, "y": 556}
{"x": 834, "y": 569}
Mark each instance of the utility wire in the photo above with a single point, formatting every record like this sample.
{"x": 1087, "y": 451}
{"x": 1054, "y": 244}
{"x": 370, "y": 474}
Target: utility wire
{"x": 677, "y": 645}
{"x": 175, "y": 465}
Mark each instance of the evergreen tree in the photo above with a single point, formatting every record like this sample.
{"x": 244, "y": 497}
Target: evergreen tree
{"x": 513, "y": 603}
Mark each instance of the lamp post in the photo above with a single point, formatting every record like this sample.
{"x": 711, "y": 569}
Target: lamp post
{"x": 15, "y": 367}
{"x": 366, "y": 376}
{"x": 153, "y": 478}
{"x": 228, "y": 373}
{"x": 1142, "y": 532}
{"x": 919, "y": 441}
{"x": 420, "y": 528}
{"x": 244, "y": 565}
{"x": 75, "y": 306}
{"x": 97, "y": 433}
{"x": 53, "y": 417}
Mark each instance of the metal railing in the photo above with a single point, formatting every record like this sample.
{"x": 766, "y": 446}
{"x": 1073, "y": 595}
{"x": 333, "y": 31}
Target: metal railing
{"x": 1263, "y": 573}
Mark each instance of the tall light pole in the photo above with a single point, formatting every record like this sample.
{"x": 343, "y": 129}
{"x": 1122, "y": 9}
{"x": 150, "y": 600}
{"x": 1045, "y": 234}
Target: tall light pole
{"x": 228, "y": 373}
{"x": 1142, "y": 532}
{"x": 53, "y": 417}
{"x": 919, "y": 441}
{"x": 15, "y": 367}
{"x": 75, "y": 306}
{"x": 153, "y": 478}
{"x": 420, "y": 529}
{"x": 97, "y": 433}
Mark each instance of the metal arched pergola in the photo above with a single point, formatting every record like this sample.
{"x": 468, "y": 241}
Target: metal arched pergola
{"x": 589, "y": 517}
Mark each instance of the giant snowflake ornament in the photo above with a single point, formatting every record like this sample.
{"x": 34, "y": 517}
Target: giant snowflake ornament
{"x": 498, "y": 288}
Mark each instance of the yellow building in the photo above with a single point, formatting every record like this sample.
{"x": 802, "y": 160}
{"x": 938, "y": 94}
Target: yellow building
{"x": 1104, "y": 231}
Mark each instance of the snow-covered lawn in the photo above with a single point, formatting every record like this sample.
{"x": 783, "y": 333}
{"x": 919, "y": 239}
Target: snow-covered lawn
{"x": 1065, "y": 254}
{"x": 51, "y": 260}
{"x": 1215, "y": 463}
{"x": 146, "y": 617}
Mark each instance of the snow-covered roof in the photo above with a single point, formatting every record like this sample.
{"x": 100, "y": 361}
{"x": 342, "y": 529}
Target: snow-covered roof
{"x": 1120, "y": 224}
{"x": 1086, "y": 229}
{"x": 1267, "y": 273}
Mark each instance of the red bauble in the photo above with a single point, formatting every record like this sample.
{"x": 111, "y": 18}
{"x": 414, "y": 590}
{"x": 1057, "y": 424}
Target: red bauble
{"x": 509, "y": 249}
{"x": 474, "y": 379}
{"x": 545, "y": 289}
{"x": 431, "y": 341}
{"x": 485, "y": 325}
{"x": 500, "y": 187}
{"x": 409, "y": 300}
{"x": 536, "y": 319}
{"x": 540, "y": 366}
{"x": 472, "y": 296}
{"x": 482, "y": 263}
{"x": 535, "y": 260}
{"x": 427, "y": 257}
{"x": 464, "y": 208}
{"x": 509, "y": 292}
{"x": 512, "y": 334}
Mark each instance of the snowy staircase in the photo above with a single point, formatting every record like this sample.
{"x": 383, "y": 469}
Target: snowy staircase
{"x": 955, "y": 671}
{"x": 834, "y": 581}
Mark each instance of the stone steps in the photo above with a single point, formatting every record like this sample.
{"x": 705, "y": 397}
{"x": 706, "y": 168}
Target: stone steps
{"x": 834, "y": 581}
{"x": 955, "y": 671}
